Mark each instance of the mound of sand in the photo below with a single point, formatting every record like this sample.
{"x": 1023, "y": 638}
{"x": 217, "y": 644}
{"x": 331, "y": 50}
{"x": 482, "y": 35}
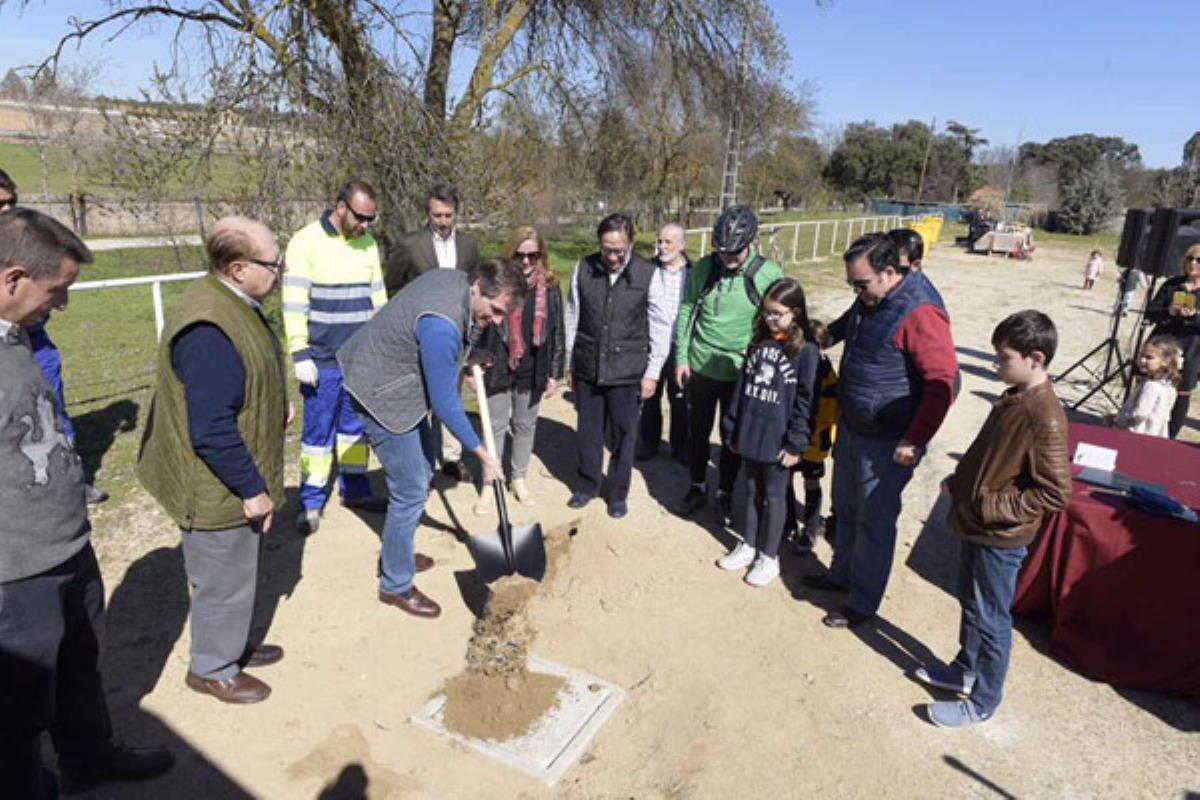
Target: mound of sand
{"x": 497, "y": 697}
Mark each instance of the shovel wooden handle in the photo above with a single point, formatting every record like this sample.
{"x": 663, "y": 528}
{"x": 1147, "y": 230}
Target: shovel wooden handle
{"x": 489, "y": 443}
{"x": 485, "y": 415}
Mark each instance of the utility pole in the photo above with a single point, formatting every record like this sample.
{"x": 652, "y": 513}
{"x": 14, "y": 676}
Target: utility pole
{"x": 1012, "y": 167}
{"x": 730, "y": 174}
{"x": 925, "y": 163}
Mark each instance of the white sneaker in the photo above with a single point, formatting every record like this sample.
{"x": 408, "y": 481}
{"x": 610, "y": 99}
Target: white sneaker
{"x": 737, "y": 558}
{"x": 765, "y": 570}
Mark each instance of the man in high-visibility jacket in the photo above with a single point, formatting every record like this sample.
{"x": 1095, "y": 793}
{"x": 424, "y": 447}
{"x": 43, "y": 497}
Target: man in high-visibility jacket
{"x": 333, "y": 285}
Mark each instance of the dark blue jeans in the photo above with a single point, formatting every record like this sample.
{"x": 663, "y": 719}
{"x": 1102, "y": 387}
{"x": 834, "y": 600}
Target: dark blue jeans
{"x": 987, "y": 581}
{"x": 407, "y": 460}
{"x": 867, "y": 486}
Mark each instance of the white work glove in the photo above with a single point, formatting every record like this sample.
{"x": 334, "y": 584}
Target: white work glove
{"x": 306, "y": 372}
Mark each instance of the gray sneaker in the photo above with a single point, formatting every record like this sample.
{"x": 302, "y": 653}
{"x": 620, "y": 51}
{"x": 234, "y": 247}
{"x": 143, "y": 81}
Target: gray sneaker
{"x": 308, "y": 522}
{"x": 955, "y": 714}
{"x": 951, "y": 678}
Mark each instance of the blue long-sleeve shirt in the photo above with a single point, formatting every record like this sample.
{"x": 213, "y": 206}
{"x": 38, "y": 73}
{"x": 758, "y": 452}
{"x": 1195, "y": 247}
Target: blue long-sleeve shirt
{"x": 441, "y": 348}
{"x": 214, "y": 386}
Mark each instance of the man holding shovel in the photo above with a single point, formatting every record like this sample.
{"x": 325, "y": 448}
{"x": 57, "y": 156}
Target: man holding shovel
{"x": 403, "y": 364}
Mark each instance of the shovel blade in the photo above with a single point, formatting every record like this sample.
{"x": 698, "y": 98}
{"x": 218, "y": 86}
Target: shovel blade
{"x": 529, "y": 554}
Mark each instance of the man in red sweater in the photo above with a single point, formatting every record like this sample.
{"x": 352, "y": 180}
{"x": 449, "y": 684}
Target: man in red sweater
{"x": 896, "y": 383}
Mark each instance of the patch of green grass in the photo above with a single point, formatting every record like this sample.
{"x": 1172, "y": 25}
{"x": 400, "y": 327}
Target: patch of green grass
{"x": 24, "y": 164}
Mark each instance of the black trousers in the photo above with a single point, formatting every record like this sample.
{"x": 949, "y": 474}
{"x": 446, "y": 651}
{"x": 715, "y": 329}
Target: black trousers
{"x": 652, "y": 416}
{"x": 51, "y": 630}
{"x": 607, "y": 415}
{"x": 704, "y": 395}
{"x": 1191, "y": 370}
{"x": 766, "y": 505}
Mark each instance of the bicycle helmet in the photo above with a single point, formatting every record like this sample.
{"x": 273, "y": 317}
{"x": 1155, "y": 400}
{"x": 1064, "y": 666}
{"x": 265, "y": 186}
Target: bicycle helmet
{"x": 736, "y": 228}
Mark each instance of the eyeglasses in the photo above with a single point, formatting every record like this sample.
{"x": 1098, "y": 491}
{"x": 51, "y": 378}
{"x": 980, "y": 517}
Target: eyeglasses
{"x": 532, "y": 255}
{"x": 8, "y": 202}
{"x": 277, "y": 266}
{"x": 859, "y": 285}
{"x": 777, "y": 314}
{"x": 366, "y": 219}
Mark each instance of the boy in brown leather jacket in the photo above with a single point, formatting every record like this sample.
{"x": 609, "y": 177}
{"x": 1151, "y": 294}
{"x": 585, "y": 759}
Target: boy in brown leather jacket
{"x": 1014, "y": 473}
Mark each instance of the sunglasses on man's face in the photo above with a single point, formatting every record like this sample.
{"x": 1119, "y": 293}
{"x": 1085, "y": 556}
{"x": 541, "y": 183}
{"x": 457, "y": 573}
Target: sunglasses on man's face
{"x": 366, "y": 219}
{"x": 8, "y": 202}
{"x": 532, "y": 255}
{"x": 1188, "y": 259}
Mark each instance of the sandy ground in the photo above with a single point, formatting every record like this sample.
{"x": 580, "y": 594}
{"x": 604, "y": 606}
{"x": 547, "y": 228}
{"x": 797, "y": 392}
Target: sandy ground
{"x": 731, "y": 690}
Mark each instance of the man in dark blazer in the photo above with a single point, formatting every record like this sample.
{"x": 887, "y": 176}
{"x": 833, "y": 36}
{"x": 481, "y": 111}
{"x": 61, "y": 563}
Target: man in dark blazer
{"x": 438, "y": 244}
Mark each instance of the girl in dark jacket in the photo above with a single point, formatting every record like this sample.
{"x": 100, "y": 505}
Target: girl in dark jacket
{"x": 527, "y": 355}
{"x": 1173, "y": 310}
{"x": 768, "y": 423}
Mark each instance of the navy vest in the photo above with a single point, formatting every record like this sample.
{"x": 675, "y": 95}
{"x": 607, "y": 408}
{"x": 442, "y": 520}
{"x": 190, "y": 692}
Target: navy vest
{"x": 879, "y": 389}
{"x": 612, "y": 340}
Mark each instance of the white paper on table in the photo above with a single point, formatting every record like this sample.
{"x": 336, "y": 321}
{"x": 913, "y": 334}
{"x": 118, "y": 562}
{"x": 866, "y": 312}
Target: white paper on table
{"x": 1090, "y": 455}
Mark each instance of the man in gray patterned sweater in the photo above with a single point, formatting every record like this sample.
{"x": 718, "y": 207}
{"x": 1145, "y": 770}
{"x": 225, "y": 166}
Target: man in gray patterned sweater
{"x": 51, "y": 594}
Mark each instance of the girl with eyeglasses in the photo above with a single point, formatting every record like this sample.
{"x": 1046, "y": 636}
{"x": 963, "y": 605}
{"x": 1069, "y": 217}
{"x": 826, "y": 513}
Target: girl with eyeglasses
{"x": 1173, "y": 312}
{"x": 528, "y": 359}
{"x": 769, "y": 423}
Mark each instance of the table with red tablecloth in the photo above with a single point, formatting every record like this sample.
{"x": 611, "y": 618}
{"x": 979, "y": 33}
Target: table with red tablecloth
{"x": 1122, "y": 587}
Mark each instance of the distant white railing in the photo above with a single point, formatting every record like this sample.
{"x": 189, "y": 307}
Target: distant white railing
{"x": 840, "y": 232}
{"x": 155, "y": 283}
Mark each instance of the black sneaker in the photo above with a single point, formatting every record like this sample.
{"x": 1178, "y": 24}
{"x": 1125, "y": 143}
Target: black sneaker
{"x": 580, "y": 499}
{"x": 802, "y": 543}
{"x": 695, "y": 499}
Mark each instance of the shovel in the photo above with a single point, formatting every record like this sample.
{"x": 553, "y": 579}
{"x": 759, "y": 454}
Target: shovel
{"x": 513, "y": 549}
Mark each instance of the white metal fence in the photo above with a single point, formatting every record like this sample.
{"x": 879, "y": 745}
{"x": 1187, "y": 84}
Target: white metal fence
{"x": 809, "y": 240}
{"x": 155, "y": 283}
{"x": 792, "y": 242}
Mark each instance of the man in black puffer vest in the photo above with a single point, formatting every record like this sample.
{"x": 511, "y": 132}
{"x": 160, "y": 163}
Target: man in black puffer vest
{"x": 614, "y": 361}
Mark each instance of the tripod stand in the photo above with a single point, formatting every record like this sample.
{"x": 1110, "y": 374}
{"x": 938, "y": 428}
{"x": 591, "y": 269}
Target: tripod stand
{"x": 1116, "y": 365}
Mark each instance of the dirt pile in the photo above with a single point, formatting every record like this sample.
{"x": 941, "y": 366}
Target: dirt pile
{"x": 497, "y": 697}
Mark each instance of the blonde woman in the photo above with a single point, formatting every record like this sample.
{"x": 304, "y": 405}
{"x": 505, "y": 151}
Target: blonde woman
{"x": 527, "y": 352}
{"x": 1173, "y": 312}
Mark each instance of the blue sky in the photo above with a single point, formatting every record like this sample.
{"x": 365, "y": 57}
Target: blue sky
{"x": 1053, "y": 68}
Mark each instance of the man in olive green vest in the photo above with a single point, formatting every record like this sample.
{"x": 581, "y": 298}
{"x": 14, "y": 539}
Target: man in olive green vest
{"x": 213, "y": 451}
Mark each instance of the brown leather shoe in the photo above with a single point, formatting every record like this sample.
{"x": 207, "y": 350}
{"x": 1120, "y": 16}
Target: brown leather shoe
{"x": 414, "y": 603}
{"x": 264, "y": 655}
{"x": 241, "y": 689}
{"x": 421, "y": 562}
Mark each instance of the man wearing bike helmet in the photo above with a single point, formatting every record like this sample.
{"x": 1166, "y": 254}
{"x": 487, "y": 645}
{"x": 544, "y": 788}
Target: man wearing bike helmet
{"x": 713, "y": 331}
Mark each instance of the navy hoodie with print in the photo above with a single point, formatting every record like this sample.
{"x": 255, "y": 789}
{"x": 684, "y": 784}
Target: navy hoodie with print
{"x": 771, "y": 406}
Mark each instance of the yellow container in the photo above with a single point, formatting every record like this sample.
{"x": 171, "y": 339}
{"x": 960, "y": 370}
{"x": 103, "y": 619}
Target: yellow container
{"x": 930, "y": 229}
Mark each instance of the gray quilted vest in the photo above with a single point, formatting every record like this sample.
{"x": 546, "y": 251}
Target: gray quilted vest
{"x": 381, "y": 362}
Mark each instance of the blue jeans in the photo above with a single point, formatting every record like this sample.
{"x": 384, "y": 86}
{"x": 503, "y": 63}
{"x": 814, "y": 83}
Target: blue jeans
{"x": 867, "y": 485}
{"x": 987, "y": 581}
{"x": 407, "y": 460}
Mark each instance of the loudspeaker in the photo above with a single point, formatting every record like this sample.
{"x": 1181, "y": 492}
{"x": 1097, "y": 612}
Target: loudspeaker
{"x": 1172, "y": 232}
{"x": 1131, "y": 252}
